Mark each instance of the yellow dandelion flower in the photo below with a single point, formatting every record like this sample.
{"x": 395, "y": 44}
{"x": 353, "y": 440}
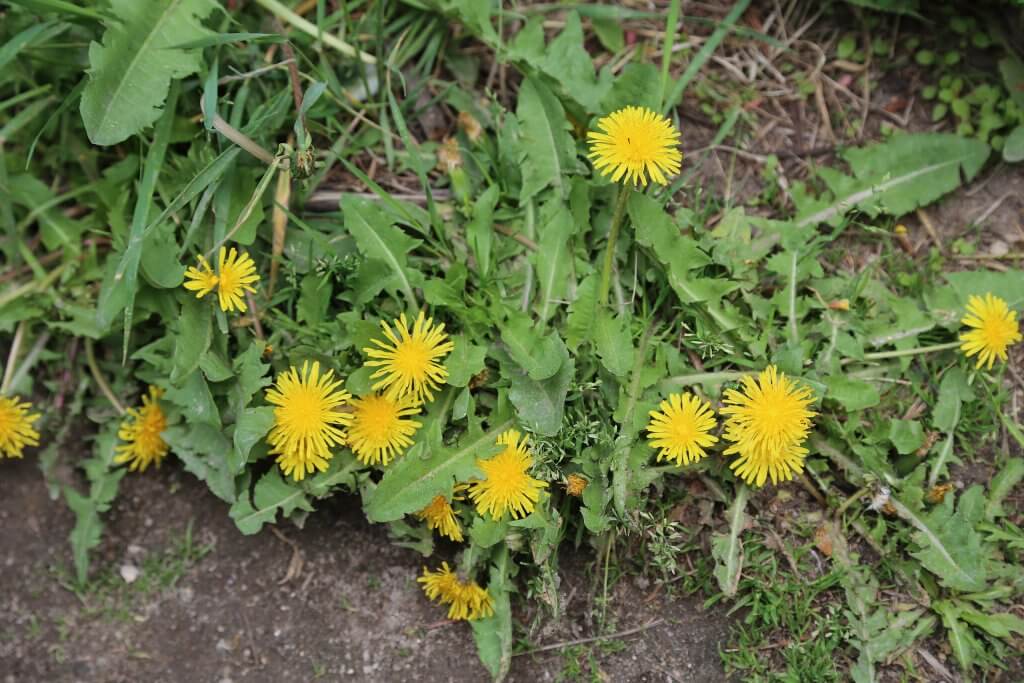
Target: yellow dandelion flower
{"x": 236, "y": 273}
{"x": 378, "y": 429}
{"x": 994, "y": 329}
{"x": 768, "y": 423}
{"x": 440, "y": 515}
{"x": 306, "y": 419}
{"x": 635, "y": 142}
{"x": 682, "y": 428}
{"x": 140, "y": 431}
{"x": 16, "y": 429}
{"x": 201, "y": 280}
{"x": 466, "y": 599}
{"x": 506, "y": 486}
{"x": 575, "y": 485}
{"x": 408, "y": 360}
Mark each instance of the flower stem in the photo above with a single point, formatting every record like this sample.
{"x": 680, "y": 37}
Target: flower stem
{"x": 305, "y": 26}
{"x": 12, "y": 357}
{"x": 613, "y": 236}
{"x": 860, "y": 493}
{"x": 882, "y": 355}
{"x": 90, "y": 357}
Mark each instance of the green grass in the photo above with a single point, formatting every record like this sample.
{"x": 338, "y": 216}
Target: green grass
{"x": 790, "y": 627}
{"x": 108, "y": 596}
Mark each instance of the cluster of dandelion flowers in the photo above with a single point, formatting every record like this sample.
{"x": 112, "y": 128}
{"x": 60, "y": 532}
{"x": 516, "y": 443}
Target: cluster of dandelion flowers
{"x": 440, "y": 515}
{"x": 408, "y": 361}
{"x": 236, "y": 274}
{"x": 993, "y": 329}
{"x": 507, "y": 485}
{"x": 379, "y": 427}
{"x": 681, "y": 428}
{"x": 307, "y": 419}
{"x": 466, "y": 599}
{"x": 768, "y": 422}
{"x": 634, "y": 143}
{"x": 16, "y": 430}
{"x": 141, "y": 433}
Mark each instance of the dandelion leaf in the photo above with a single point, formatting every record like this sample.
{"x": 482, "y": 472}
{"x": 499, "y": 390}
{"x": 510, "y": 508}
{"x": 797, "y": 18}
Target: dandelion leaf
{"x": 493, "y": 635}
{"x": 377, "y": 237}
{"x": 429, "y": 469}
{"x": 131, "y": 70}
{"x": 272, "y": 494}
{"x": 949, "y": 545}
{"x": 540, "y": 404}
{"x": 547, "y": 151}
{"x": 681, "y": 256}
{"x": 894, "y": 177}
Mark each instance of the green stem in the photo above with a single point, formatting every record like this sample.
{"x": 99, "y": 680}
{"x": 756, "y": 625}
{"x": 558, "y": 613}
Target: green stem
{"x": 328, "y": 39}
{"x": 609, "y": 541}
{"x": 613, "y": 236}
{"x": 90, "y": 358}
{"x": 27, "y": 363}
{"x": 882, "y": 355}
{"x": 860, "y": 493}
{"x": 12, "y": 357}
{"x": 32, "y": 287}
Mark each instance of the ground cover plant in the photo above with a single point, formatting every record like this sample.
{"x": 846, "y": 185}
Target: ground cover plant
{"x": 461, "y": 262}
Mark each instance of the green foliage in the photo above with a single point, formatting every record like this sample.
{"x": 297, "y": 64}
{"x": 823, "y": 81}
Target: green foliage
{"x": 503, "y": 244}
{"x": 103, "y": 484}
{"x": 430, "y": 470}
{"x": 894, "y": 177}
{"x": 132, "y": 69}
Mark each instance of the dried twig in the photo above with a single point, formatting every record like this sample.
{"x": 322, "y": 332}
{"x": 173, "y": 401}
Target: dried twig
{"x": 926, "y": 221}
{"x": 593, "y": 639}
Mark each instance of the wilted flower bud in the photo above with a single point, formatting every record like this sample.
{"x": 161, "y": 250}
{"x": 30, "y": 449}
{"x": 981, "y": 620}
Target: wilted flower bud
{"x": 470, "y": 125}
{"x": 448, "y": 156}
{"x": 840, "y": 305}
{"x": 938, "y": 493}
{"x": 575, "y": 484}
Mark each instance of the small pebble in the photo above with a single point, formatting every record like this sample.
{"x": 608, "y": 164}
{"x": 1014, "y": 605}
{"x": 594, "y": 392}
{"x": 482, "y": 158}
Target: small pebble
{"x": 129, "y": 572}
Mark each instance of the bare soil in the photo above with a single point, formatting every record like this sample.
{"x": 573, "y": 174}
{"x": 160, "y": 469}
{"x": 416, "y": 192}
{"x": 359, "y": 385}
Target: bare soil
{"x": 332, "y": 601}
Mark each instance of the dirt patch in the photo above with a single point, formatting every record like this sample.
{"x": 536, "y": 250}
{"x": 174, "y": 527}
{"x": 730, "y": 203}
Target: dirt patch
{"x": 219, "y": 608}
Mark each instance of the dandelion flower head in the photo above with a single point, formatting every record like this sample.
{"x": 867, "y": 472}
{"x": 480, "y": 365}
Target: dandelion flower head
{"x": 236, "y": 274}
{"x": 681, "y": 428}
{"x": 466, "y": 599}
{"x": 379, "y": 428}
{"x": 307, "y": 419}
{"x": 16, "y": 429}
{"x": 507, "y": 485}
{"x": 768, "y": 422}
{"x": 635, "y": 143}
{"x": 993, "y": 329}
{"x": 143, "y": 446}
{"x": 440, "y": 515}
{"x": 408, "y": 361}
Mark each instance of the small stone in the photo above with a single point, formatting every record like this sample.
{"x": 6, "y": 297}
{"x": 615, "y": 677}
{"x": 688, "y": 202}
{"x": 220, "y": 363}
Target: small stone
{"x": 999, "y": 248}
{"x": 129, "y": 572}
